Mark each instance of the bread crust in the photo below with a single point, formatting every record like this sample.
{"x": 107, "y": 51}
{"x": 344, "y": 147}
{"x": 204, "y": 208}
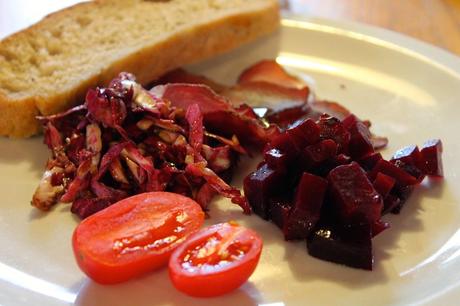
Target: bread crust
{"x": 17, "y": 116}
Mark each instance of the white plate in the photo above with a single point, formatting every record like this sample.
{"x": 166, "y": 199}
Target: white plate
{"x": 411, "y": 93}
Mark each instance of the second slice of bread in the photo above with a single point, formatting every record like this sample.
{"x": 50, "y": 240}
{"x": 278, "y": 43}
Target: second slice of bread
{"x": 49, "y": 66}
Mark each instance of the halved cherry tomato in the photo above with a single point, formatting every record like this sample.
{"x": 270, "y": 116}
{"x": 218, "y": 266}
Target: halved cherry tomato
{"x": 135, "y": 235}
{"x": 215, "y": 260}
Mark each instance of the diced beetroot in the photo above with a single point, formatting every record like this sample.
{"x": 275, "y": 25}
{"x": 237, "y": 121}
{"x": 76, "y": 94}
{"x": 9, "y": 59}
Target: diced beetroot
{"x": 391, "y": 204}
{"x": 369, "y": 162}
{"x": 342, "y": 159}
{"x": 353, "y": 195}
{"x": 329, "y": 164}
{"x": 376, "y": 142}
{"x": 307, "y": 207}
{"x": 410, "y": 159}
{"x": 276, "y": 159}
{"x": 378, "y": 227}
{"x": 383, "y": 184}
{"x": 397, "y": 209}
{"x": 305, "y": 133}
{"x": 432, "y": 157}
{"x": 283, "y": 142}
{"x": 411, "y": 169}
{"x": 279, "y": 210}
{"x": 409, "y": 155}
{"x": 326, "y": 166}
{"x": 360, "y": 141}
{"x": 349, "y": 245}
{"x": 349, "y": 121}
{"x": 402, "y": 193}
{"x": 313, "y": 155}
{"x": 402, "y": 177}
{"x": 332, "y": 128}
{"x": 260, "y": 186}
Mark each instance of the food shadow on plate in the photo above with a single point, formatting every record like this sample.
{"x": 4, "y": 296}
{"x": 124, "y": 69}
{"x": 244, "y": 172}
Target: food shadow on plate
{"x": 409, "y": 219}
{"x": 59, "y": 208}
{"x": 31, "y": 151}
{"x": 37, "y": 214}
{"x": 306, "y": 268}
{"x": 156, "y": 289}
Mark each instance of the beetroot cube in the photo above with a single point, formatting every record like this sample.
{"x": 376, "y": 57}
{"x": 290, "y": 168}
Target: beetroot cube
{"x": 369, "y": 162}
{"x": 342, "y": 159}
{"x": 279, "y": 210}
{"x": 410, "y": 159}
{"x": 307, "y": 207}
{"x": 276, "y": 159}
{"x": 332, "y": 128}
{"x": 411, "y": 169}
{"x": 353, "y": 195}
{"x": 284, "y": 143}
{"x": 348, "y": 245}
{"x": 349, "y": 121}
{"x": 313, "y": 155}
{"x": 260, "y": 186}
{"x": 360, "y": 141}
{"x": 402, "y": 177}
{"x": 391, "y": 204}
{"x": 305, "y": 133}
{"x": 378, "y": 227}
{"x": 383, "y": 184}
{"x": 402, "y": 193}
{"x": 326, "y": 167}
{"x": 432, "y": 157}
{"x": 409, "y": 155}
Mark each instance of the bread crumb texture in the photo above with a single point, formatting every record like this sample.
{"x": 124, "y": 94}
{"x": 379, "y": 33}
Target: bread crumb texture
{"x": 49, "y": 66}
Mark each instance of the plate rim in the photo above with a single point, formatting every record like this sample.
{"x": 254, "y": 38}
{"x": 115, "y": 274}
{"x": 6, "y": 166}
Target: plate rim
{"x": 431, "y": 54}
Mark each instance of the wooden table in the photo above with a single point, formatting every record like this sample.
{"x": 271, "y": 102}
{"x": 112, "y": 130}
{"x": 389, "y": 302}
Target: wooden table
{"x": 434, "y": 21}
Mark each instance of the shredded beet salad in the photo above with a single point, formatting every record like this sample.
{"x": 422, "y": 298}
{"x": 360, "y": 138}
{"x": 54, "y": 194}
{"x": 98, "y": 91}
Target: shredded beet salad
{"x": 126, "y": 140}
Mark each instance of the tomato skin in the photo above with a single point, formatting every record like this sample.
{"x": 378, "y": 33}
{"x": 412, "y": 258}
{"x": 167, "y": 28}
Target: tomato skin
{"x": 215, "y": 279}
{"x": 134, "y": 236}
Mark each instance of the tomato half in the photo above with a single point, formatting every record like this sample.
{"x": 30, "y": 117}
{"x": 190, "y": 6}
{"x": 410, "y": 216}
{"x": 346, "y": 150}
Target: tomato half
{"x": 215, "y": 260}
{"x": 135, "y": 235}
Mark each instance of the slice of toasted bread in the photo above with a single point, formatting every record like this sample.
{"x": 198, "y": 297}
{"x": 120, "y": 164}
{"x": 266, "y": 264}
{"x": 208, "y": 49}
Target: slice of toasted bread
{"x": 48, "y": 67}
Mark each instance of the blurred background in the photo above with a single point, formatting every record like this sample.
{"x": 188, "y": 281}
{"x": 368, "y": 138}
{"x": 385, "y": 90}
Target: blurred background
{"x": 434, "y": 21}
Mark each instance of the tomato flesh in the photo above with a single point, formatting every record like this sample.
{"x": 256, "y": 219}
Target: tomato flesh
{"x": 215, "y": 260}
{"x": 135, "y": 235}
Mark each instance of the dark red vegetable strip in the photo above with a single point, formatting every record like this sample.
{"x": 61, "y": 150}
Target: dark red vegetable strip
{"x": 196, "y": 129}
{"x": 200, "y": 170}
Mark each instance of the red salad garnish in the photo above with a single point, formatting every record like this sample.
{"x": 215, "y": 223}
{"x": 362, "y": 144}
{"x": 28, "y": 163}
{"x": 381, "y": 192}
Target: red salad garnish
{"x": 125, "y": 140}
